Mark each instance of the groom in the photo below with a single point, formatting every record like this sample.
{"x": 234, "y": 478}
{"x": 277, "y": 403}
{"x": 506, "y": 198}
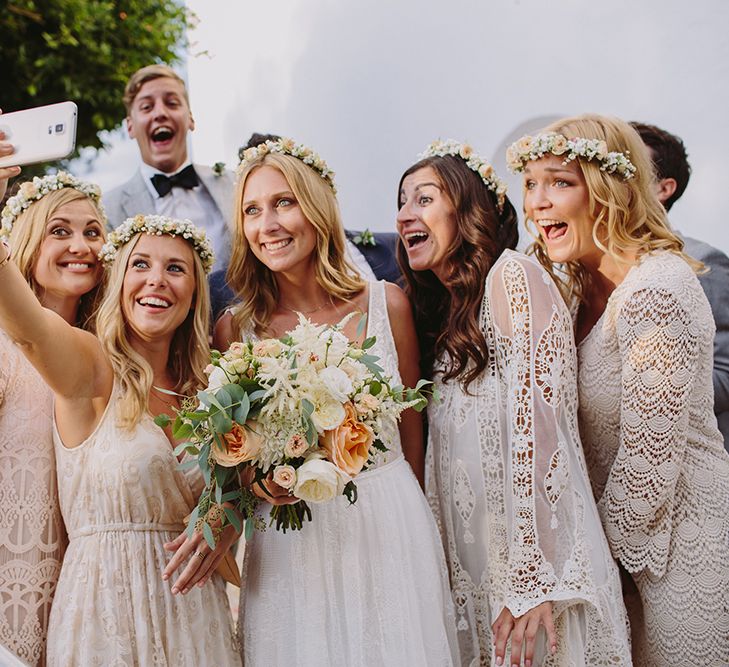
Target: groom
{"x": 167, "y": 183}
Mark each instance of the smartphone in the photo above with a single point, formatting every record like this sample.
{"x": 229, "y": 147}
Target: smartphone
{"x": 42, "y": 134}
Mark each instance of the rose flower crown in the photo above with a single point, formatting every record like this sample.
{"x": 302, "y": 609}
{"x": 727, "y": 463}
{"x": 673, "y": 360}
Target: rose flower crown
{"x": 158, "y": 225}
{"x": 530, "y": 148}
{"x": 287, "y": 146}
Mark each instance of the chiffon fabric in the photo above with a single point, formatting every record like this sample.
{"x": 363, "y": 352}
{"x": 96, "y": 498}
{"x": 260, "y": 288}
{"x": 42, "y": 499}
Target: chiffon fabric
{"x": 32, "y": 536}
{"x": 657, "y": 461}
{"x": 122, "y": 497}
{"x": 359, "y": 585}
{"x": 507, "y": 481}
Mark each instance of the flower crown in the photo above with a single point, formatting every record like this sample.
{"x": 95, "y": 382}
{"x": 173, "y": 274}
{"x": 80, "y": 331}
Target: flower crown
{"x": 532, "y": 148}
{"x": 158, "y": 225}
{"x": 39, "y": 187}
{"x": 289, "y": 147}
{"x": 473, "y": 161}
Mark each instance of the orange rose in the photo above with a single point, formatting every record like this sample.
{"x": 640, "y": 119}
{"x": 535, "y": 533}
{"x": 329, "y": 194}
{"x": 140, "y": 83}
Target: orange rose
{"x": 243, "y": 445}
{"x": 348, "y": 444}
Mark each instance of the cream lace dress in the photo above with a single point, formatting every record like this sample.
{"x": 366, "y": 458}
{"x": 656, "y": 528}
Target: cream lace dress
{"x": 507, "y": 481}
{"x": 359, "y": 585}
{"x": 122, "y": 497}
{"x": 32, "y": 537}
{"x": 657, "y": 462}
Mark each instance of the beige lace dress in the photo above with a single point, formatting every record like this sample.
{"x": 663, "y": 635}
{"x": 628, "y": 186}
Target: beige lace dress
{"x": 657, "y": 462}
{"x": 122, "y": 497}
{"x": 32, "y": 537}
{"x": 507, "y": 481}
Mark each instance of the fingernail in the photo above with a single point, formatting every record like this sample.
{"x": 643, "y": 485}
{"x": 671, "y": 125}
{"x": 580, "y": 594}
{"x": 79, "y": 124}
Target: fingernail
{"x": 498, "y": 660}
{"x": 528, "y": 663}
{"x": 554, "y": 648}
{"x": 175, "y": 590}
{"x": 185, "y": 591}
{"x": 165, "y": 577}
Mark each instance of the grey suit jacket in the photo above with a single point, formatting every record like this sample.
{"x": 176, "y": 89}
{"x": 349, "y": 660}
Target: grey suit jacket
{"x": 133, "y": 198}
{"x": 716, "y": 287}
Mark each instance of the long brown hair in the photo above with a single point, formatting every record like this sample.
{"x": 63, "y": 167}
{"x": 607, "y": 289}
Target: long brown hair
{"x": 447, "y": 314}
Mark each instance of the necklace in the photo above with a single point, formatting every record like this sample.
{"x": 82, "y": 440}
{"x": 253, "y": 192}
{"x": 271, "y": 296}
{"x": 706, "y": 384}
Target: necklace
{"x": 308, "y": 312}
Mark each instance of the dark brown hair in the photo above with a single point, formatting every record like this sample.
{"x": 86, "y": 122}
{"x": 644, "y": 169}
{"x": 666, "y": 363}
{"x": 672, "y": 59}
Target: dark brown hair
{"x": 447, "y": 314}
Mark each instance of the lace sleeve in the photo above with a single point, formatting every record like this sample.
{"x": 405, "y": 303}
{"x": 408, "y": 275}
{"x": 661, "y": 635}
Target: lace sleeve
{"x": 536, "y": 362}
{"x": 659, "y": 353}
{"x": 7, "y": 365}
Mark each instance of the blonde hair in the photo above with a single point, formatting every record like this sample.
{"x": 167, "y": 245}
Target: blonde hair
{"x": 29, "y": 231}
{"x": 253, "y": 282}
{"x": 189, "y": 351}
{"x": 628, "y": 217}
{"x": 150, "y": 73}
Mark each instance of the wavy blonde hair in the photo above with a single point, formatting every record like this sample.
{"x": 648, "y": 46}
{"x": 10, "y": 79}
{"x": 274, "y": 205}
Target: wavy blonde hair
{"x": 29, "y": 231}
{"x": 189, "y": 351}
{"x": 628, "y": 217}
{"x": 253, "y": 282}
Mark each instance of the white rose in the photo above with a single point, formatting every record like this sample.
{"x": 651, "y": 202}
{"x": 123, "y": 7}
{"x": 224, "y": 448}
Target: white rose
{"x": 319, "y": 481}
{"x": 327, "y": 415}
{"x": 337, "y": 383}
{"x": 217, "y": 378}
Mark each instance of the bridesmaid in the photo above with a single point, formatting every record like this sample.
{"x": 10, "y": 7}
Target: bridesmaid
{"x": 656, "y": 459}
{"x": 121, "y": 493}
{"x": 505, "y": 472}
{"x": 55, "y": 226}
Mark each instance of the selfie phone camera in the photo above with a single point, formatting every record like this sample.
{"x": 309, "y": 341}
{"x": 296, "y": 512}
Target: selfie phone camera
{"x": 58, "y": 128}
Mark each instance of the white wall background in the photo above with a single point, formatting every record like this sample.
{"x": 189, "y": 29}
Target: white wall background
{"x": 369, "y": 84}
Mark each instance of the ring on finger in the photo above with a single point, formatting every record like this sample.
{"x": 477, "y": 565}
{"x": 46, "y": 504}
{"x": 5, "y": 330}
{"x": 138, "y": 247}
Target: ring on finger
{"x": 200, "y": 555}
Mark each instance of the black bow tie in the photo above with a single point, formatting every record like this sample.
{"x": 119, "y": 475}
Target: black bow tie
{"x": 187, "y": 178}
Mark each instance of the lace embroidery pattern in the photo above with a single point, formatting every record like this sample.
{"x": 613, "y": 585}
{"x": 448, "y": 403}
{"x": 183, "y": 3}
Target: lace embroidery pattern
{"x": 661, "y": 473}
{"x": 517, "y": 447}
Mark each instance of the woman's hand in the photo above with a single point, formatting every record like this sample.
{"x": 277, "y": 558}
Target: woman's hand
{"x": 203, "y": 561}
{"x": 276, "y": 495}
{"x": 6, "y": 173}
{"x": 523, "y": 631}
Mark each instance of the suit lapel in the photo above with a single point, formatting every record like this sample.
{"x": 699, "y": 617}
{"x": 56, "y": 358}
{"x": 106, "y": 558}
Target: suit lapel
{"x": 137, "y": 198}
{"x": 220, "y": 189}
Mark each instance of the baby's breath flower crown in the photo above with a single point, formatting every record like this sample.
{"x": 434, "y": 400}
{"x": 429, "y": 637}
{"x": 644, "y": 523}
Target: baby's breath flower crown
{"x": 158, "y": 225}
{"x": 289, "y": 147}
{"x": 473, "y": 161}
{"x": 533, "y": 148}
{"x": 39, "y": 187}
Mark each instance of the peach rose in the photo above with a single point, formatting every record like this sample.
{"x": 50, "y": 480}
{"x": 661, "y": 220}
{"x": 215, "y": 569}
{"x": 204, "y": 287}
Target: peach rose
{"x": 285, "y": 476}
{"x": 524, "y": 145}
{"x": 296, "y": 446}
{"x": 559, "y": 144}
{"x": 348, "y": 445}
{"x": 243, "y": 444}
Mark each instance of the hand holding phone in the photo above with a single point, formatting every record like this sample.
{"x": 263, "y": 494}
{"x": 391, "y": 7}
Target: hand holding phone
{"x": 41, "y": 134}
{"x": 6, "y": 148}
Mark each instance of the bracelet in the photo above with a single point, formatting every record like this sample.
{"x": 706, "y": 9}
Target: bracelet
{"x": 5, "y": 244}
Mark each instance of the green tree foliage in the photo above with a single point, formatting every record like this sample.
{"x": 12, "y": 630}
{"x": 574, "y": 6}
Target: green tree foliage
{"x": 84, "y": 51}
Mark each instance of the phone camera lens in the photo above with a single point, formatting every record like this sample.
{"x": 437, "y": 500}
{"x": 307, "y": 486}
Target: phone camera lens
{"x": 59, "y": 128}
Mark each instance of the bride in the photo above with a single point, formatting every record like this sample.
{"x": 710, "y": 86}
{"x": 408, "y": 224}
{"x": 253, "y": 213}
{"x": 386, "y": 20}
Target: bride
{"x": 363, "y": 584}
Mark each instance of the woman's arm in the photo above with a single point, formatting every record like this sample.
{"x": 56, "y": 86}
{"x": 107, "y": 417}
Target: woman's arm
{"x": 406, "y": 343}
{"x": 223, "y": 334}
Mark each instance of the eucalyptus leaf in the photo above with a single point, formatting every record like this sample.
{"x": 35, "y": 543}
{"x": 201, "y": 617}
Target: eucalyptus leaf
{"x": 249, "y": 529}
{"x": 233, "y": 518}
{"x": 188, "y": 447}
{"x": 163, "y": 421}
{"x": 208, "y": 535}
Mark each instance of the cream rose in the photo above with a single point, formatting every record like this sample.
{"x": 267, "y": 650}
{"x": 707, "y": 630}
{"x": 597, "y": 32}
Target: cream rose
{"x": 367, "y": 404}
{"x": 243, "y": 443}
{"x": 337, "y": 383}
{"x": 285, "y": 476}
{"x": 296, "y": 446}
{"x": 268, "y": 347}
{"x": 348, "y": 445}
{"x": 236, "y": 348}
{"x": 559, "y": 145}
{"x": 28, "y": 190}
{"x": 485, "y": 171}
{"x": 602, "y": 150}
{"x": 319, "y": 481}
{"x": 466, "y": 151}
{"x": 217, "y": 377}
{"x": 327, "y": 415}
{"x": 524, "y": 145}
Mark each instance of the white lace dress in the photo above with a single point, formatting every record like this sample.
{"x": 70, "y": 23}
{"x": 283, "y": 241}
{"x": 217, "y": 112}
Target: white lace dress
{"x": 123, "y": 496}
{"x": 32, "y": 536}
{"x": 507, "y": 481}
{"x": 657, "y": 462}
{"x": 359, "y": 585}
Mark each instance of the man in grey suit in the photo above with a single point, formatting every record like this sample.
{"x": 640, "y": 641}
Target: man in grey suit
{"x": 167, "y": 183}
{"x": 673, "y": 172}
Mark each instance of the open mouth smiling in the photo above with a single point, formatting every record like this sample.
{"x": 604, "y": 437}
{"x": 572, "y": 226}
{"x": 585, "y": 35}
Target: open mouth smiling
{"x": 162, "y": 134}
{"x": 276, "y": 245}
{"x": 553, "y": 229}
{"x": 153, "y": 302}
{"x": 414, "y": 239}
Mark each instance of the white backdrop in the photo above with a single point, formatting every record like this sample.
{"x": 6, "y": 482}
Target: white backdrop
{"x": 369, "y": 84}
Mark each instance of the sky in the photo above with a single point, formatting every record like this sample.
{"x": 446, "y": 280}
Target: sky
{"x": 369, "y": 85}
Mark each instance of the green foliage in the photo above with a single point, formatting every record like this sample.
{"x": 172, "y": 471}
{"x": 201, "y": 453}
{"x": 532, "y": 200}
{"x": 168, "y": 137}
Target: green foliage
{"x": 84, "y": 51}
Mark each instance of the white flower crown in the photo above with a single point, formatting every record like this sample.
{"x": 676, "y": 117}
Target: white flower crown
{"x": 473, "y": 161}
{"x": 532, "y": 148}
{"x": 39, "y": 187}
{"x": 158, "y": 225}
{"x": 289, "y": 147}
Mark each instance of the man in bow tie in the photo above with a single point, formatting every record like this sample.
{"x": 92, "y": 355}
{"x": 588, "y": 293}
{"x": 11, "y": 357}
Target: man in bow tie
{"x": 167, "y": 183}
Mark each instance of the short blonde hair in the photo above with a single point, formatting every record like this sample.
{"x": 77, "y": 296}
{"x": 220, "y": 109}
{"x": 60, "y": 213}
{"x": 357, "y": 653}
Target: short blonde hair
{"x": 26, "y": 238}
{"x": 149, "y": 73}
{"x": 255, "y": 284}
{"x": 189, "y": 351}
{"x": 627, "y": 215}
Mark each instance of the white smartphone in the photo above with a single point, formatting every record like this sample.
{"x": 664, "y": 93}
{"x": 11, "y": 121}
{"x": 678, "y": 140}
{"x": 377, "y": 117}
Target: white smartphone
{"x": 42, "y": 134}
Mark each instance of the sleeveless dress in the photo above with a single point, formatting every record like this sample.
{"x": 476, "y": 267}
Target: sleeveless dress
{"x": 507, "y": 481}
{"x": 359, "y": 585}
{"x": 657, "y": 461}
{"x": 122, "y": 497}
{"x": 32, "y": 536}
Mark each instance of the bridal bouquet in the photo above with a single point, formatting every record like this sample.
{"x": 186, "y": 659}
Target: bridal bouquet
{"x": 308, "y": 411}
